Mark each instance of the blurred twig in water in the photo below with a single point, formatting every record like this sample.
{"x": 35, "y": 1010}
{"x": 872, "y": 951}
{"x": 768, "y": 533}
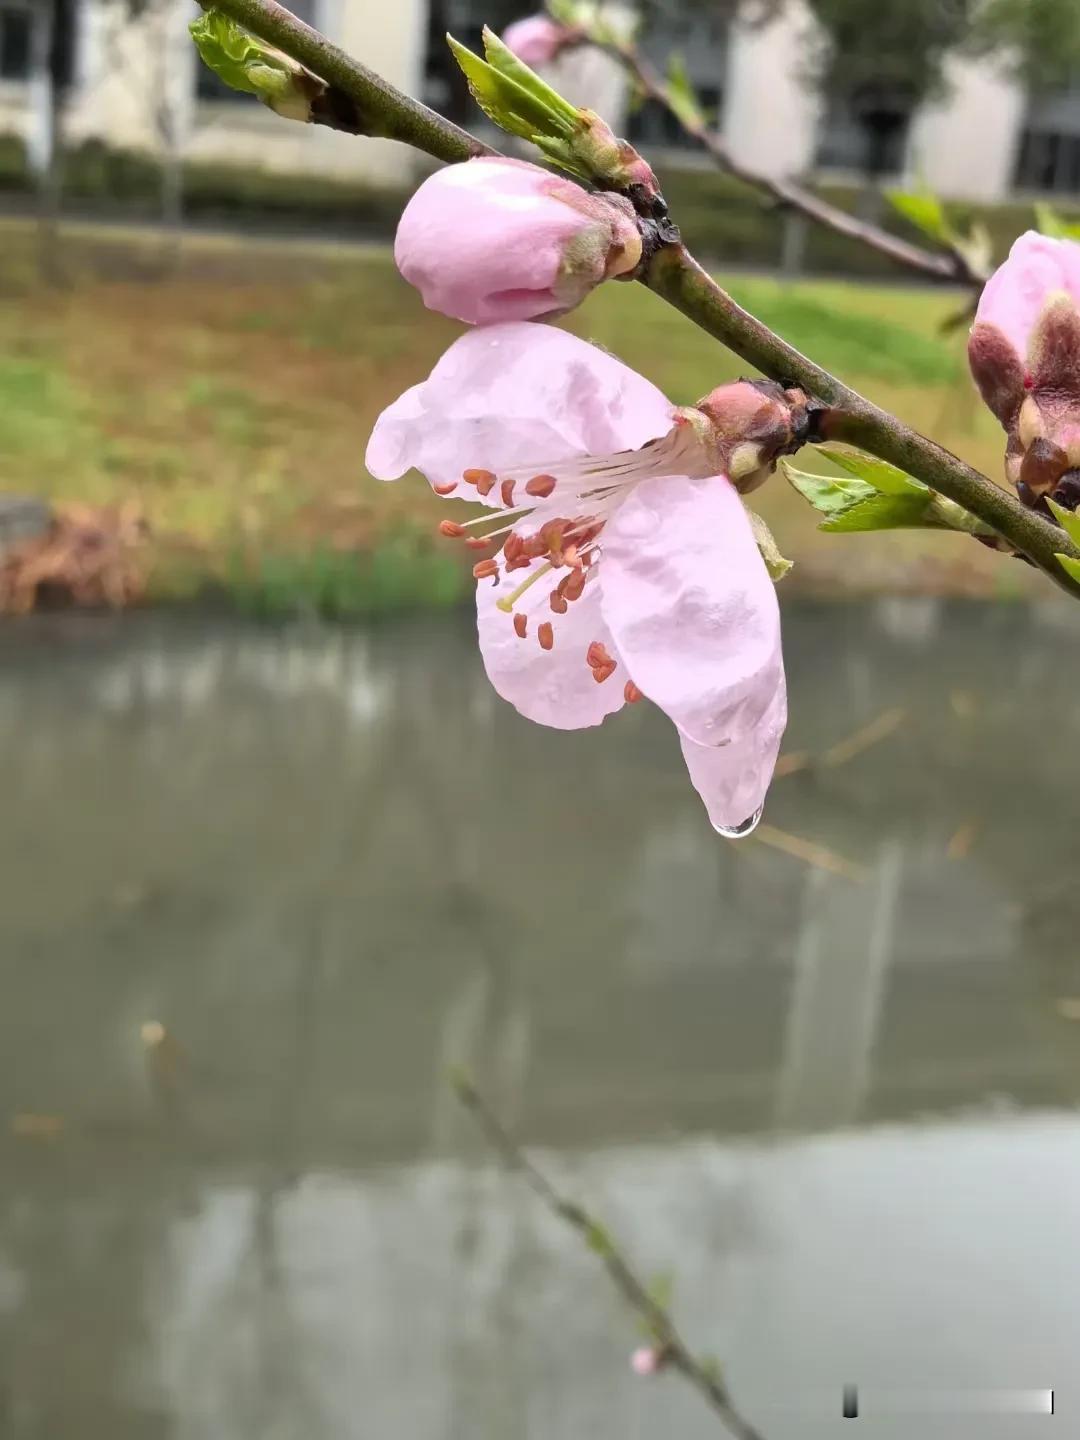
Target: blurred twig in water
{"x": 810, "y": 853}
{"x": 666, "y": 1339}
{"x": 880, "y": 728}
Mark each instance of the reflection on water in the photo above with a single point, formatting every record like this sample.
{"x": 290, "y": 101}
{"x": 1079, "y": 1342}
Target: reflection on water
{"x": 258, "y": 889}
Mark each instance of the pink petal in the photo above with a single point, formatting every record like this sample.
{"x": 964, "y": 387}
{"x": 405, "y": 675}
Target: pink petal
{"x": 485, "y": 241}
{"x": 1015, "y": 294}
{"x": 733, "y": 779}
{"x": 692, "y": 609}
{"x": 552, "y": 687}
{"x": 508, "y": 395}
{"x": 536, "y": 40}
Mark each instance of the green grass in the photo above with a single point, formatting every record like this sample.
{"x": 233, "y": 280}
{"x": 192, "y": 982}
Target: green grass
{"x": 232, "y": 401}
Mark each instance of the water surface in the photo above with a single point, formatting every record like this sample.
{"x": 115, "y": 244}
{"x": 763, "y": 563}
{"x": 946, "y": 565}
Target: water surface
{"x": 258, "y": 888}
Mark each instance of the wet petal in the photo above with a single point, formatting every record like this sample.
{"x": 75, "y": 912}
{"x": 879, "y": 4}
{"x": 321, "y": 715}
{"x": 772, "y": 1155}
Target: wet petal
{"x": 733, "y": 779}
{"x": 508, "y": 395}
{"x": 553, "y": 687}
{"x": 692, "y": 609}
{"x": 1013, "y": 297}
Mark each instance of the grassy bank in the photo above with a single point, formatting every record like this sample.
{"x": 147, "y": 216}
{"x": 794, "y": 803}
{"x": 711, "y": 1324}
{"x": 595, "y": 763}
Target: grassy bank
{"x": 232, "y": 401}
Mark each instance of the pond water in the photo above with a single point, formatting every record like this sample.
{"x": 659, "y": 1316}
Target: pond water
{"x": 260, "y": 888}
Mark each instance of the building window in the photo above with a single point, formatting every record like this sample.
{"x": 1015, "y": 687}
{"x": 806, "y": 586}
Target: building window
{"x": 873, "y": 143}
{"x": 444, "y": 87}
{"x": 17, "y": 21}
{"x": 209, "y": 86}
{"x": 15, "y": 25}
{"x": 701, "y": 41}
{"x": 1049, "y": 157}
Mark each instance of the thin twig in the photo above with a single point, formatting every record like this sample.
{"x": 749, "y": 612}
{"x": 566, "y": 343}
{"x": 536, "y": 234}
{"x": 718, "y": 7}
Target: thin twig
{"x": 674, "y": 274}
{"x": 819, "y": 857}
{"x": 385, "y": 110}
{"x": 676, "y": 1353}
{"x": 950, "y": 266}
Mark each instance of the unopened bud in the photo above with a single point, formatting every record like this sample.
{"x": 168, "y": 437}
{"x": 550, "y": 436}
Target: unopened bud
{"x": 496, "y": 239}
{"x": 1024, "y": 352}
{"x": 754, "y": 422}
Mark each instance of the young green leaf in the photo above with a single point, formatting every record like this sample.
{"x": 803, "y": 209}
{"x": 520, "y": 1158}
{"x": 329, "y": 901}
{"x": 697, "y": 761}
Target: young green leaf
{"x": 925, "y": 211}
{"x": 1049, "y": 222}
{"x": 878, "y": 474}
{"x": 1069, "y": 520}
{"x": 246, "y": 63}
{"x": 775, "y": 563}
{"x": 887, "y": 512}
{"x": 1069, "y": 565}
{"x": 829, "y": 494}
{"x": 501, "y": 58}
{"x": 682, "y": 96}
{"x": 509, "y": 104}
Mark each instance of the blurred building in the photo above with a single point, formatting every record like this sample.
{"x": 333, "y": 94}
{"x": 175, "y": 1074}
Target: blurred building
{"x": 140, "y": 85}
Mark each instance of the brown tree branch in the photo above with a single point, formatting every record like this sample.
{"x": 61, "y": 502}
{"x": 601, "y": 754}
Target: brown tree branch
{"x": 677, "y": 277}
{"x": 950, "y": 265}
{"x": 677, "y": 1354}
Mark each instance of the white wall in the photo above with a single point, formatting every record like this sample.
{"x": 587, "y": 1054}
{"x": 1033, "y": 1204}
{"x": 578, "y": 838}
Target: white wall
{"x": 770, "y": 116}
{"x": 965, "y": 146}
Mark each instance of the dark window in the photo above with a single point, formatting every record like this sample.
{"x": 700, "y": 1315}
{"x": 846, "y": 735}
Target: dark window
{"x": 700, "y": 40}
{"x": 1049, "y": 156}
{"x": 876, "y": 144}
{"x": 17, "y": 20}
{"x": 14, "y": 42}
{"x": 444, "y": 85}
{"x": 209, "y": 87}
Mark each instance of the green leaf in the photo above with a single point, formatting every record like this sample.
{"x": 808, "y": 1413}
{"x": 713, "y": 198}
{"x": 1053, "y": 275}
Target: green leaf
{"x": 501, "y": 58}
{"x": 830, "y": 494}
{"x": 887, "y": 512}
{"x": 925, "y": 211}
{"x": 1049, "y": 222}
{"x": 516, "y": 107}
{"x": 775, "y": 563}
{"x": 1069, "y": 565}
{"x": 246, "y": 63}
{"x": 878, "y": 474}
{"x": 1069, "y": 521}
{"x": 682, "y": 96}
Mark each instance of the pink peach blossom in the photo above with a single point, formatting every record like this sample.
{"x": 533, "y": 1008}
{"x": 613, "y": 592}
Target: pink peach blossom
{"x": 624, "y": 552}
{"x": 537, "y": 39}
{"x": 496, "y": 239}
{"x": 1024, "y": 351}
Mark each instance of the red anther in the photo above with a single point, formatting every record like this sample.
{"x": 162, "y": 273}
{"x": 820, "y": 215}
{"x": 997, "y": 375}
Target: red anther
{"x": 451, "y": 529}
{"x": 478, "y": 477}
{"x": 506, "y": 490}
{"x": 484, "y": 569}
{"x": 557, "y": 603}
{"x": 572, "y": 558}
{"x": 575, "y": 584}
{"x": 514, "y": 546}
{"x": 519, "y": 562}
{"x": 445, "y": 489}
{"x": 521, "y": 624}
{"x": 604, "y": 672}
{"x": 1029, "y": 382}
{"x": 631, "y": 693}
{"x": 545, "y": 635}
{"x": 486, "y": 483}
{"x": 597, "y": 655}
{"x": 541, "y": 486}
{"x": 478, "y": 542}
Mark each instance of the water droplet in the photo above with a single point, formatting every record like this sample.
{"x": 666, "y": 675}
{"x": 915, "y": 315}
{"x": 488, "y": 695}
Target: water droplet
{"x": 740, "y": 832}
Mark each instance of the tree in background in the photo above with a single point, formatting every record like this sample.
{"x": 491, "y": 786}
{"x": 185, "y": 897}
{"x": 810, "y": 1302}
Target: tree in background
{"x": 878, "y": 60}
{"x": 1041, "y": 37}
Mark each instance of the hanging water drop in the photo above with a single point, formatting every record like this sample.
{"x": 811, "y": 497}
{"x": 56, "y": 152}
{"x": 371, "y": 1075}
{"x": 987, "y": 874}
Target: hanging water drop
{"x": 740, "y": 832}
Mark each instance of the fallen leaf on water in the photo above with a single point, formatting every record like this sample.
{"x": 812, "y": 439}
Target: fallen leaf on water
{"x": 962, "y": 840}
{"x": 29, "y": 1126}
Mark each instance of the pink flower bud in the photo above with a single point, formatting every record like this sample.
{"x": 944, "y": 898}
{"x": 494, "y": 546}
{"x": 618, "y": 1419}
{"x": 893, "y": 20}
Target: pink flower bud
{"x": 537, "y": 39}
{"x": 1024, "y": 352}
{"x": 494, "y": 240}
{"x": 646, "y": 1360}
